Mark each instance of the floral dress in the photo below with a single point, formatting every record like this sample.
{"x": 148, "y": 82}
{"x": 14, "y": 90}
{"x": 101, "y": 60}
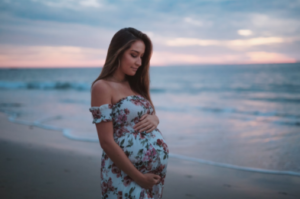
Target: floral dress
{"x": 148, "y": 152}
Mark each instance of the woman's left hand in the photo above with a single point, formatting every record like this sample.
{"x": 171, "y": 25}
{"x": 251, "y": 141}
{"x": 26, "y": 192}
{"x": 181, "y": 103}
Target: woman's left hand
{"x": 147, "y": 122}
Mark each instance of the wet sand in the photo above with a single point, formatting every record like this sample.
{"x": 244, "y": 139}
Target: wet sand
{"x": 39, "y": 163}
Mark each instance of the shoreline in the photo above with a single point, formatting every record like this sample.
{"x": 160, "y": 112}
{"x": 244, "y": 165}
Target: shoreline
{"x": 68, "y": 134}
{"x": 41, "y": 163}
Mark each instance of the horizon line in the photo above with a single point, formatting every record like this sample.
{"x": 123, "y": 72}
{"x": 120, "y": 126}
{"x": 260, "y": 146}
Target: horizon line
{"x": 156, "y": 66}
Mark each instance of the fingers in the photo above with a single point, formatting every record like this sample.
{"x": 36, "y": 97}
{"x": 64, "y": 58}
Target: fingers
{"x": 156, "y": 179}
{"x": 143, "y": 117}
{"x": 153, "y": 179}
{"x": 154, "y": 127}
{"x": 141, "y": 125}
{"x": 146, "y": 127}
{"x": 138, "y": 125}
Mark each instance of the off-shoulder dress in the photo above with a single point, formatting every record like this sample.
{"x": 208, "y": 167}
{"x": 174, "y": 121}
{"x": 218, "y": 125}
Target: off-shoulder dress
{"x": 147, "y": 151}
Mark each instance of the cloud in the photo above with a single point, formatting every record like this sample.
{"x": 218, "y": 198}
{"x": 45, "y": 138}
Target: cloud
{"x": 168, "y": 58}
{"x": 70, "y": 4}
{"x": 90, "y": 3}
{"x": 52, "y": 56}
{"x": 229, "y": 43}
{"x": 161, "y": 58}
{"x": 192, "y": 21}
{"x": 245, "y": 32}
{"x": 269, "y": 57}
{"x": 195, "y": 30}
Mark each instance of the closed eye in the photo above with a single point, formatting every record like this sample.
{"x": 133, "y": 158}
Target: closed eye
{"x": 135, "y": 56}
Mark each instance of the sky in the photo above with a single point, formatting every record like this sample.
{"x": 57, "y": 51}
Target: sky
{"x": 77, "y": 33}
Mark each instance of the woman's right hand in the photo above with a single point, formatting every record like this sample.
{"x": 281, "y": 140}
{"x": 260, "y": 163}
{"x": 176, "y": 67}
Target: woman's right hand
{"x": 148, "y": 180}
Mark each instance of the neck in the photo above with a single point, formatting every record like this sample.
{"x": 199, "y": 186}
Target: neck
{"x": 118, "y": 76}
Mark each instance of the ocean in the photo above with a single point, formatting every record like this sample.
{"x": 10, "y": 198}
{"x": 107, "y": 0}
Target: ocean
{"x": 239, "y": 116}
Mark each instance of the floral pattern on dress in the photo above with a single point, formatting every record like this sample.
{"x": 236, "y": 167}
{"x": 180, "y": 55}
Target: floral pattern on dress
{"x": 101, "y": 113}
{"x": 148, "y": 152}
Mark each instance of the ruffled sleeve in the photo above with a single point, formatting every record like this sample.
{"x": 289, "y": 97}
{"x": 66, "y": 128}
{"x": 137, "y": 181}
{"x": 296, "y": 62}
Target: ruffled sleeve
{"x": 101, "y": 113}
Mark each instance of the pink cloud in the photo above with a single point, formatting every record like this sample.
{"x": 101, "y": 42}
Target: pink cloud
{"x": 72, "y": 56}
{"x": 50, "y": 56}
{"x": 269, "y": 57}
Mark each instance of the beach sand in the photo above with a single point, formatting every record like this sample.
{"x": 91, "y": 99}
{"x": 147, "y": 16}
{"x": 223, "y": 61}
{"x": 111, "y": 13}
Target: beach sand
{"x": 39, "y": 163}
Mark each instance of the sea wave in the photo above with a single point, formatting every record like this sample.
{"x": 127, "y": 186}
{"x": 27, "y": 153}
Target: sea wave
{"x": 283, "y": 118}
{"x": 228, "y": 110}
{"x": 68, "y": 134}
{"x": 44, "y": 85}
{"x": 85, "y": 86}
{"x": 80, "y": 86}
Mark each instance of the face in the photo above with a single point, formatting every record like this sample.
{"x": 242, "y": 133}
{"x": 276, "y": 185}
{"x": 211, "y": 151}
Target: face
{"x": 132, "y": 58}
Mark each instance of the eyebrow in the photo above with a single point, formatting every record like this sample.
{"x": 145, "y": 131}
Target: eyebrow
{"x": 135, "y": 51}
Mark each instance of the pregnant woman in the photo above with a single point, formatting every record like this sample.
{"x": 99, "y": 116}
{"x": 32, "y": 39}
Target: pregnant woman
{"x": 135, "y": 154}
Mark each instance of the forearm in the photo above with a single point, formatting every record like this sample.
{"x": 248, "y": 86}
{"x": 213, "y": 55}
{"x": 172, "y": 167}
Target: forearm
{"x": 117, "y": 155}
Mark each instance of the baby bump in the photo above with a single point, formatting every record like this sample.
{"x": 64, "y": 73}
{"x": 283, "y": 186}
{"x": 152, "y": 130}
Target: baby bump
{"x": 147, "y": 151}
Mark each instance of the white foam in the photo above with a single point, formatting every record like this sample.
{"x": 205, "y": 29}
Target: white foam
{"x": 265, "y": 171}
{"x": 67, "y": 133}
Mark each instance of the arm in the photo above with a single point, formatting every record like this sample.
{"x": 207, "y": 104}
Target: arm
{"x": 101, "y": 94}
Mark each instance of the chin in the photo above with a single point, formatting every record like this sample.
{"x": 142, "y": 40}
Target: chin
{"x": 131, "y": 73}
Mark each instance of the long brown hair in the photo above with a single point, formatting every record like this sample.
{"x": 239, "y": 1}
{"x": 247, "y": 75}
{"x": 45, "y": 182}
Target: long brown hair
{"x": 120, "y": 42}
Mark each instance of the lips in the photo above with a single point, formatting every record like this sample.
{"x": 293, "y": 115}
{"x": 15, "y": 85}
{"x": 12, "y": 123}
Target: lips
{"x": 135, "y": 69}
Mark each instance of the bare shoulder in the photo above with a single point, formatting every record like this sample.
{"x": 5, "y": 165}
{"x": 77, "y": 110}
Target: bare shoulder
{"x": 101, "y": 85}
{"x": 101, "y": 93}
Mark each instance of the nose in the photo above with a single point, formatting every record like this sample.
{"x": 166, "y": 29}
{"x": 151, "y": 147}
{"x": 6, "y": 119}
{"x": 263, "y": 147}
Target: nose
{"x": 139, "y": 62}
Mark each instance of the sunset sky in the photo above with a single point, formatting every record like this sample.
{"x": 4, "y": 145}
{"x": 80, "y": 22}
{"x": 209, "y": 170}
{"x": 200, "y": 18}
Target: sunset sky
{"x": 55, "y": 33}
